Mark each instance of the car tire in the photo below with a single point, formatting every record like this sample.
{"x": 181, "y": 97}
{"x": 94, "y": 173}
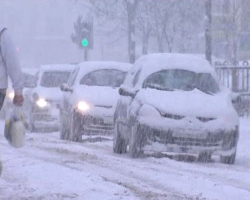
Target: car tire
{"x": 119, "y": 144}
{"x": 31, "y": 125}
{"x": 228, "y": 159}
{"x": 64, "y": 134}
{"x": 135, "y": 141}
{"x": 31, "y": 121}
{"x": 204, "y": 157}
{"x": 75, "y": 129}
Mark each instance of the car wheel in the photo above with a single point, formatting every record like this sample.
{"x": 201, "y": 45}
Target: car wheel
{"x": 75, "y": 129}
{"x": 228, "y": 159}
{"x": 30, "y": 121}
{"x": 31, "y": 125}
{"x": 204, "y": 157}
{"x": 135, "y": 142}
{"x": 64, "y": 134}
{"x": 119, "y": 144}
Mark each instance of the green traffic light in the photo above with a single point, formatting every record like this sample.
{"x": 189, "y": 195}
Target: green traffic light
{"x": 85, "y": 42}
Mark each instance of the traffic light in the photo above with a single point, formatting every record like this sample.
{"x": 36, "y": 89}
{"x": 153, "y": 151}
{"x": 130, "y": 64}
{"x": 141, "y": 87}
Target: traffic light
{"x": 86, "y": 35}
{"x": 83, "y": 35}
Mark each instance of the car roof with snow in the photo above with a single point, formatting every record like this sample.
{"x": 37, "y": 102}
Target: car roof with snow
{"x": 160, "y": 61}
{"x": 31, "y": 71}
{"x": 57, "y": 67}
{"x": 89, "y": 66}
{"x": 151, "y": 63}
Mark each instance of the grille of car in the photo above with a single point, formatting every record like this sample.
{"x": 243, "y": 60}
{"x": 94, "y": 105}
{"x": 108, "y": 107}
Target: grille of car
{"x": 99, "y": 123}
{"x": 166, "y": 137}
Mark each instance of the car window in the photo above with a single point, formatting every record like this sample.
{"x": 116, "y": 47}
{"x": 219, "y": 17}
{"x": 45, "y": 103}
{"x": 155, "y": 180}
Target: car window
{"x": 106, "y": 77}
{"x": 54, "y": 78}
{"x": 176, "y": 79}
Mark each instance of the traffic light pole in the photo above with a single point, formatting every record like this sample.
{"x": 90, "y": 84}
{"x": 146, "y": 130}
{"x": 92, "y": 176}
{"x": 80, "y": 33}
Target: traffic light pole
{"x": 208, "y": 22}
{"x": 85, "y": 54}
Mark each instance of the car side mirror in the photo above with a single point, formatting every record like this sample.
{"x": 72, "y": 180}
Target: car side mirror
{"x": 235, "y": 98}
{"x": 125, "y": 92}
{"x": 65, "y": 88}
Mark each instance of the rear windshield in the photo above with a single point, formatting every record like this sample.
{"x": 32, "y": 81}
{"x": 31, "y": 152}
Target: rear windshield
{"x": 106, "y": 77}
{"x": 54, "y": 78}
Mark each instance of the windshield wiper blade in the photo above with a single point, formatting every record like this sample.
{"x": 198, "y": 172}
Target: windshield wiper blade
{"x": 160, "y": 88}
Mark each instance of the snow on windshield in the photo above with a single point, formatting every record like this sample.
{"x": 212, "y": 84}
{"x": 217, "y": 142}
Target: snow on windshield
{"x": 107, "y": 77}
{"x": 176, "y": 79}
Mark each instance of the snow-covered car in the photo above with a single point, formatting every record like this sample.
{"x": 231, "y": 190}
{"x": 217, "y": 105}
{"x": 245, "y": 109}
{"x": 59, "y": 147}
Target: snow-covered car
{"x": 90, "y": 97}
{"x": 46, "y": 96}
{"x": 173, "y": 103}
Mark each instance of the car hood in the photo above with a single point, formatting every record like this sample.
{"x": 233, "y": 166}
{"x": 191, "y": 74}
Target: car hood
{"x": 51, "y": 94}
{"x": 188, "y": 103}
{"x": 97, "y": 95}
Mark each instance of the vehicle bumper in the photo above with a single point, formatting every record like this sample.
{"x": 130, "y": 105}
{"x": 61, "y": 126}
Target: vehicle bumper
{"x": 167, "y": 141}
{"x": 94, "y": 124}
{"x": 46, "y": 120}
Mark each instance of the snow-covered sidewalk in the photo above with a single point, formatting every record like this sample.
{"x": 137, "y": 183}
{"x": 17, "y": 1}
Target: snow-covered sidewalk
{"x": 49, "y": 168}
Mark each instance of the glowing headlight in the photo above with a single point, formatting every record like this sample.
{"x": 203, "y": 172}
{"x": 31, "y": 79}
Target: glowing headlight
{"x": 83, "y": 106}
{"x": 41, "y": 103}
{"x": 11, "y": 95}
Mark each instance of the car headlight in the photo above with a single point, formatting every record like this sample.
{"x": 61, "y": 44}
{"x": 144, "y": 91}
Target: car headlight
{"x": 11, "y": 95}
{"x": 41, "y": 103}
{"x": 83, "y": 106}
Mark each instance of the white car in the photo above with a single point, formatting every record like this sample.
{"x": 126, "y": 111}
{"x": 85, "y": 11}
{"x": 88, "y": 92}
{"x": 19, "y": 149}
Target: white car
{"x": 172, "y": 103}
{"x": 45, "y": 98}
{"x": 90, "y": 98}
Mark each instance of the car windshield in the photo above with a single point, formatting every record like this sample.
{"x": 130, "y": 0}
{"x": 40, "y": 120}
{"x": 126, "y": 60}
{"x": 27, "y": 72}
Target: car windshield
{"x": 106, "y": 77}
{"x": 54, "y": 78}
{"x": 176, "y": 79}
{"x": 29, "y": 80}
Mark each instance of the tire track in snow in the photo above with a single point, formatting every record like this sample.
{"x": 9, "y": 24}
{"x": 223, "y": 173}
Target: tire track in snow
{"x": 142, "y": 188}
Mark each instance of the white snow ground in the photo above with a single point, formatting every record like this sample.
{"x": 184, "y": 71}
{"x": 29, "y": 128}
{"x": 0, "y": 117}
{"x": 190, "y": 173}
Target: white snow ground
{"x": 50, "y": 169}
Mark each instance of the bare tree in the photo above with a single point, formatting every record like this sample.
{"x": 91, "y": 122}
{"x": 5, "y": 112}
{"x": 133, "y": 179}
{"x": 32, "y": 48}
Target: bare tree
{"x": 232, "y": 19}
{"x": 144, "y": 23}
{"x": 122, "y": 12}
{"x": 175, "y": 23}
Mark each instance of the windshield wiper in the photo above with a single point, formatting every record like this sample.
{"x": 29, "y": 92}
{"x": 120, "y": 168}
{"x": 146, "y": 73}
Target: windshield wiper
{"x": 160, "y": 88}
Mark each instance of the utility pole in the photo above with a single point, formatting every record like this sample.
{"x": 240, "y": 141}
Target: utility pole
{"x": 208, "y": 31}
{"x": 131, "y": 7}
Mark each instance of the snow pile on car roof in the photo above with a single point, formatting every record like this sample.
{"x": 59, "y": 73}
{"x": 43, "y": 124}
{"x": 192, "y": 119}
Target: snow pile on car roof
{"x": 95, "y": 65}
{"x": 89, "y": 66}
{"x": 160, "y": 61}
{"x": 57, "y": 67}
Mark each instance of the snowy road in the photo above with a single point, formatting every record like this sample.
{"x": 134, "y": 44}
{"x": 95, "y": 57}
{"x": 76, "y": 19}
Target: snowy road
{"x": 49, "y": 168}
